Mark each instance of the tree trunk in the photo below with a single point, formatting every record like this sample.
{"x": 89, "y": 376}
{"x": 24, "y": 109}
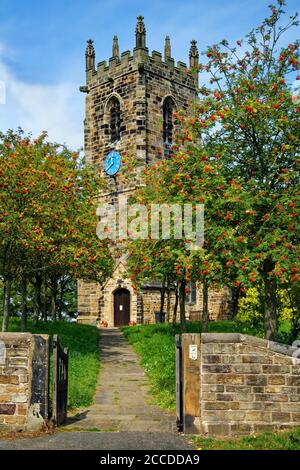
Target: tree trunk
{"x": 37, "y": 299}
{"x": 6, "y": 309}
{"x": 24, "y": 309}
{"x": 168, "y": 303}
{"x": 205, "y": 314}
{"x": 162, "y": 297}
{"x": 294, "y": 297}
{"x": 53, "y": 298}
{"x": 235, "y": 296}
{"x": 53, "y": 305}
{"x": 270, "y": 301}
{"x": 3, "y": 300}
{"x": 182, "y": 287}
{"x": 60, "y": 300}
{"x": 175, "y": 305}
{"x": 44, "y": 300}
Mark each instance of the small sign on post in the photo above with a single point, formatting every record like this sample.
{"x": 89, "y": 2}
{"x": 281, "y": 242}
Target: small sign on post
{"x": 193, "y": 352}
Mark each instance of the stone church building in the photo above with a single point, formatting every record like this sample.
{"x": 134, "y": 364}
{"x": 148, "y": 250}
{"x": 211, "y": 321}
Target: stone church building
{"x": 129, "y": 109}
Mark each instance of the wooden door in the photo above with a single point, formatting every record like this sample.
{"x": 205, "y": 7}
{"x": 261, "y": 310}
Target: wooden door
{"x": 121, "y": 307}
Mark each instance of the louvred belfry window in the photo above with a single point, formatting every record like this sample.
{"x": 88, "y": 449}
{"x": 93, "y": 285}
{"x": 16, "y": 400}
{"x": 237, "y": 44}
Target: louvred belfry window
{"x": 168, "y": 109}
{"x": 115, "y": 120}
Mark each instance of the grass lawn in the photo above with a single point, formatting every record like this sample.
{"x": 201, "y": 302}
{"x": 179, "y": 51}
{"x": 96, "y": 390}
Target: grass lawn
{"x": 283, "y": 440}
{"x": 83, "y": 344}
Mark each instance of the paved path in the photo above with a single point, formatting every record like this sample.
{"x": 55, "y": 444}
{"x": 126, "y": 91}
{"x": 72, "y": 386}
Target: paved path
{"x": 122, "y": 415}
{"x": 122, "y": 401}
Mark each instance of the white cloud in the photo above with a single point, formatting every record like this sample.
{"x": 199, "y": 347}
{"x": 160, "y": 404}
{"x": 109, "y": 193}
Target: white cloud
{"x": 57, "y": 109}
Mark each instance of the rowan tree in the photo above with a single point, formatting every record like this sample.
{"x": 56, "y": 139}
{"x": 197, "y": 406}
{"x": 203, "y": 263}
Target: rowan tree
{"x": 238, "y": 154}
{"x": 47, "y": 218}
{"x": 250, "y": 118}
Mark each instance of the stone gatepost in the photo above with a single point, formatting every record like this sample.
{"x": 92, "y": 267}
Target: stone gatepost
{"x": 24, "y": 381}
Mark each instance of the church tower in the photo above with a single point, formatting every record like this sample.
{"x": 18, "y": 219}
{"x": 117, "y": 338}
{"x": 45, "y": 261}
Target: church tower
{"x": 128, "y": 97}
{"x": 129, "y": 110}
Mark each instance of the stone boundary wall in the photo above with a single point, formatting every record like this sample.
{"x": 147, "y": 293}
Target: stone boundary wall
{"x": 24, "y": 381}
{"x": 247, "y": 385}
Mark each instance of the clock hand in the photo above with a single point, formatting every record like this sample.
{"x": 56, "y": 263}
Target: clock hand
{"x": 110, "y": 165}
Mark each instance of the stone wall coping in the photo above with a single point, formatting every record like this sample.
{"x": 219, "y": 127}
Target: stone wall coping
{"x": 273, "y": 346}
{"x": 43, "y": 335}
{"x": 17, "y": 339}
{"x": 220, "y": 338}
{"x": 17, "y": 335}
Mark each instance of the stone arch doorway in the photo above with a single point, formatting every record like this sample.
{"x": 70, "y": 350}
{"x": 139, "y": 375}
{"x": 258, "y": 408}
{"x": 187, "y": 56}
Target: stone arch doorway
{"x": 121, "y": 307}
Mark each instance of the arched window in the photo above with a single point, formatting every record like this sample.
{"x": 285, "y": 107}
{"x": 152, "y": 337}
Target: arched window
{"x": 114, "y": 119}
{"x": 168, "y": 109}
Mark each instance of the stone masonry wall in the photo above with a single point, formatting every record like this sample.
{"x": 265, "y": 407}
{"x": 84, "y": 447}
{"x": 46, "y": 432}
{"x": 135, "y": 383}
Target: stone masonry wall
{"x": 163, "y": 80}
{"x": 95, "y": 302}
{"x": 247, "y": 385}
{"x": 89, "y": 296}
{"x": 218, "y": 304}
{"x": 24, "y": 381}
{"x": 140, "y": 82}
{"x": 151, "y": 304}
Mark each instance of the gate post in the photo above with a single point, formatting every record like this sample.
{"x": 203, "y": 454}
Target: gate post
{"x": 191, "y": 376}
{"x": 40, "y": 377}
{"x": 179, "y": 403}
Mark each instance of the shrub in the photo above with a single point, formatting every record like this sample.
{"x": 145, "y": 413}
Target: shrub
{"x": 251, "y": 311}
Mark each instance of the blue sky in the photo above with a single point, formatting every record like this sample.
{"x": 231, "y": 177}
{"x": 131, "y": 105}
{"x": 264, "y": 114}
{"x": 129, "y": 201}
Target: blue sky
{"x": 42, "y": 48}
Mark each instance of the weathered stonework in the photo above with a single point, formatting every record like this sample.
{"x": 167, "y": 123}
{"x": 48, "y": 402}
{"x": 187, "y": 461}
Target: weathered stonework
{"x": 24, "y": 381}
{"x": 219, "y": 304}
{"x": 141, "y": 83}
{"x": 247, "y": 385}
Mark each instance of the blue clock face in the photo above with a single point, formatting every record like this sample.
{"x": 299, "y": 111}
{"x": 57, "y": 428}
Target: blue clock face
{"x": 112, "y": 163}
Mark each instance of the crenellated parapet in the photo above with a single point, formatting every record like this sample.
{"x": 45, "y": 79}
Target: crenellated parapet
{"x": 140, "y": 60}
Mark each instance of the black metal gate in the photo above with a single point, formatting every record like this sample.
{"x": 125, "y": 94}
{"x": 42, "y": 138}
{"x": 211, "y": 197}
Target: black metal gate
{"x": 60, "y": 382}
{"x": 179, "y": 384}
